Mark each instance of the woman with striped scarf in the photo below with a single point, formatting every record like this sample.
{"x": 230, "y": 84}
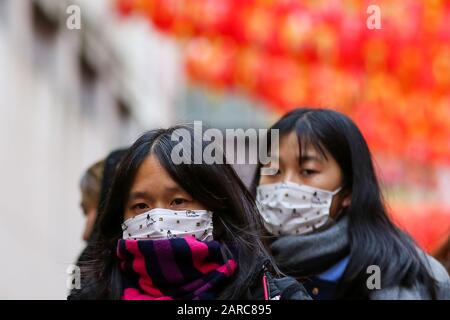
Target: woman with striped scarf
{"x": 180, "y": 232}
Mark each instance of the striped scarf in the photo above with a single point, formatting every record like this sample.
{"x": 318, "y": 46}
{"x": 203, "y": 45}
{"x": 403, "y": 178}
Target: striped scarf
{"x": 172, "y": 269}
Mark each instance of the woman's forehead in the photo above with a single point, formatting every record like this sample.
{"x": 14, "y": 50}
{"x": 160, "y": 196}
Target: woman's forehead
{"x": 308, "y": 150}
{"x": 152, "y": 175}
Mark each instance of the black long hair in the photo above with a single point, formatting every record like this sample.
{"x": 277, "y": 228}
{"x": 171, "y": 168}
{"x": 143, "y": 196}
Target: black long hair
{"x": 236, "y": 222}
{"x": 374, "y": 239}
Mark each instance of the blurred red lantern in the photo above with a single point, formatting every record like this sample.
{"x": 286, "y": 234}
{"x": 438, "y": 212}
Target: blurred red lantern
{"x": 292, "y": 53}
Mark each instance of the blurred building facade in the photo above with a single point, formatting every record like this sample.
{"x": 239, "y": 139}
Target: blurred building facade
{"x": 68, "y": 97}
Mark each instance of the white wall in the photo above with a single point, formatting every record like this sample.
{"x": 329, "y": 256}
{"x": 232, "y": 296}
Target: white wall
{"x": 47, "y": 139}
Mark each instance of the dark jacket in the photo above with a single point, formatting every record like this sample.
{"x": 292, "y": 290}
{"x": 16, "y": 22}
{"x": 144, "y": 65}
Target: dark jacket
{"x": 275, "y": 287}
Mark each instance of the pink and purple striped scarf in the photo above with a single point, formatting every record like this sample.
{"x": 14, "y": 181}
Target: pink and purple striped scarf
{"x": 173, "y": 269}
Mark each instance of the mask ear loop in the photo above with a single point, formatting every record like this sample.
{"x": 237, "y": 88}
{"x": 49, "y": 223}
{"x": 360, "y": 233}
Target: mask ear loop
{"x": 335, "y": 192}
{"x": 340, "y": 213}
{"x": 333, "y": 220}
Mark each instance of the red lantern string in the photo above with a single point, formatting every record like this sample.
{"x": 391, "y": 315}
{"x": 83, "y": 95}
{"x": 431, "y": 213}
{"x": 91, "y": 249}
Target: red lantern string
{"x": 395, "y": 82}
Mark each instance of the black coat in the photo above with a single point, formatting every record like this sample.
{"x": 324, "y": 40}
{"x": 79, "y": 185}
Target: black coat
{"x": 277, "y": 288}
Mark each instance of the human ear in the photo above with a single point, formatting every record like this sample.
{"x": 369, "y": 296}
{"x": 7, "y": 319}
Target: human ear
{"x": 347, "y": 201}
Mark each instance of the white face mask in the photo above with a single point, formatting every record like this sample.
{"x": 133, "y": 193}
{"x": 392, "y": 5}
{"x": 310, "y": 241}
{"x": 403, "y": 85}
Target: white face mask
{"x": 160, "y": 224}
{"x": 289, "y": 208}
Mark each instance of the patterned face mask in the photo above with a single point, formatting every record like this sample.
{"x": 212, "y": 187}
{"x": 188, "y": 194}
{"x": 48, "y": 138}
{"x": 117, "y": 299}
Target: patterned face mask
{"x": 289, "y": 208}
{"x": 161, "y": 223}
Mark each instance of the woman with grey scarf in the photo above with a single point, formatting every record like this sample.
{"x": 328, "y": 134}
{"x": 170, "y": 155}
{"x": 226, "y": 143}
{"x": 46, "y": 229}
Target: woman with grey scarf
{"x": 327, "y": 220}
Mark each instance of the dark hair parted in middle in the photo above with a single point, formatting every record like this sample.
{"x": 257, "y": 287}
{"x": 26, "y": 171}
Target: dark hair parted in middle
{"x": 236, "y": 222}
{"x": 374, "y": 239}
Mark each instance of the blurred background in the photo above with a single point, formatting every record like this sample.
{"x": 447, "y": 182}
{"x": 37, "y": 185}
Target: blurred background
{"x": 70, "y": 96}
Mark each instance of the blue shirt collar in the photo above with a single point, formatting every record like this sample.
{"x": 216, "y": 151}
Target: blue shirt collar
{"x": 335, "y": 273}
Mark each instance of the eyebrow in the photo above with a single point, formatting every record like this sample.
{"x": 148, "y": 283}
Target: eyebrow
{"x": 139, "y": 194}
{"x": 175, "y": 188}
{"x": 146, "y": 195}
{"x": 309, "y": 157}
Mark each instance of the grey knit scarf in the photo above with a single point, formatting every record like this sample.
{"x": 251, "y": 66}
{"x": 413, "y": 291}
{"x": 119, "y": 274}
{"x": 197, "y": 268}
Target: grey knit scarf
{"x": 311, "y": 254}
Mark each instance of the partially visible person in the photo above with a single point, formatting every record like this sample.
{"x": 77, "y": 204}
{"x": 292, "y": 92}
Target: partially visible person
{"x": 325, "y": 210}
{"x": 442, "y": 254}
{"x": 112, "y": 161}
{"x": 90, "y": 186}
{"x": 95, "y": 185}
